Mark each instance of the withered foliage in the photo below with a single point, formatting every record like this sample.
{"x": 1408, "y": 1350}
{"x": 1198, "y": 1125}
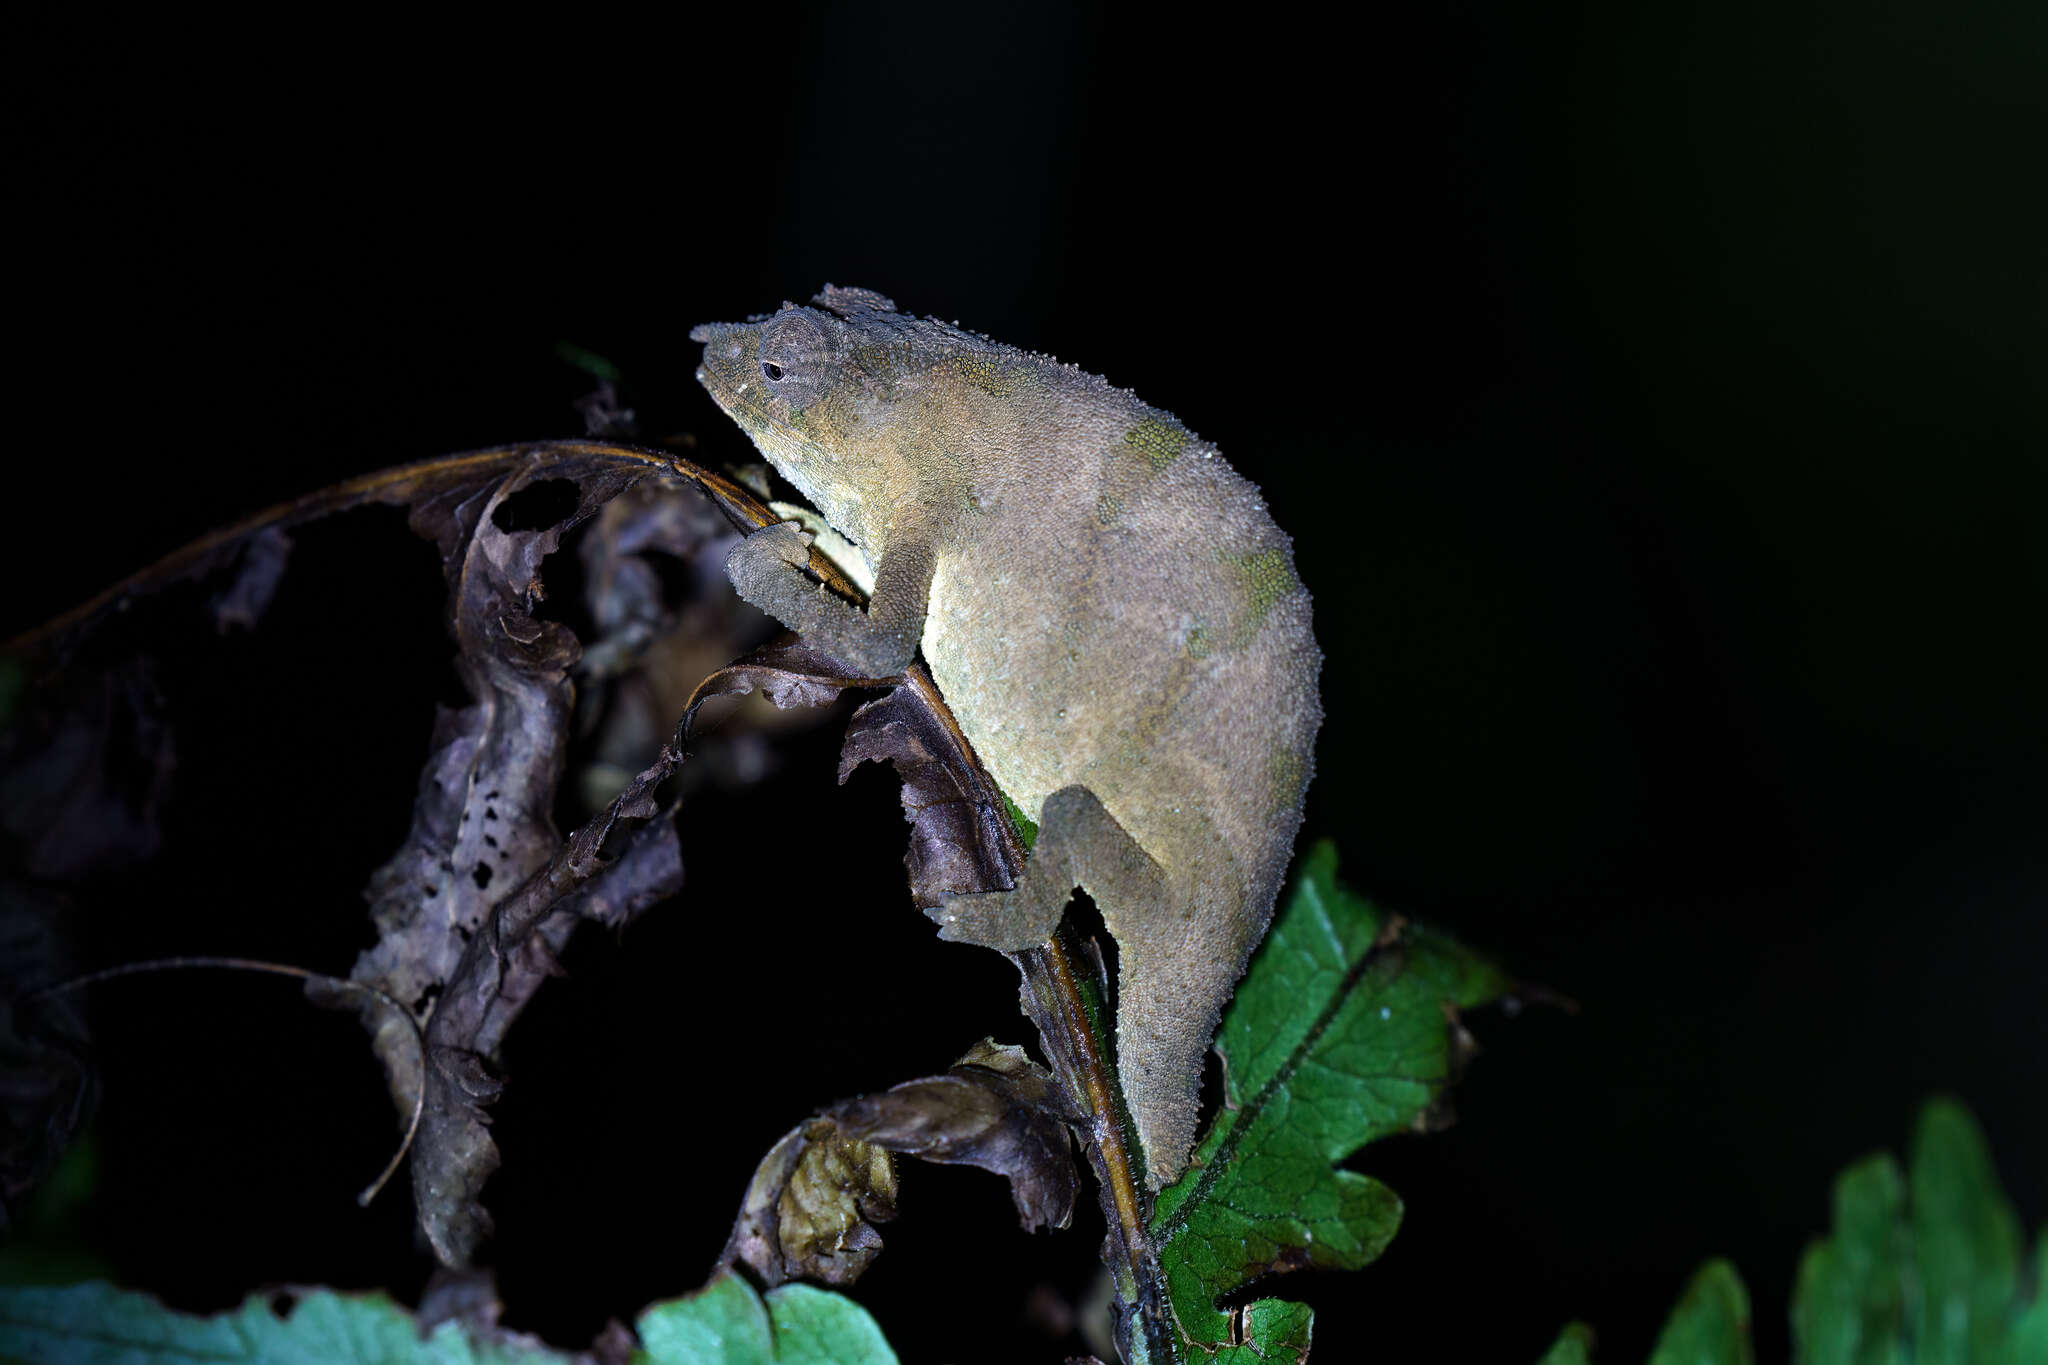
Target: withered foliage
{"x": 810, "y": 1211}
{"x": 474, "y": 908}
{"x": 995, "y": 1109}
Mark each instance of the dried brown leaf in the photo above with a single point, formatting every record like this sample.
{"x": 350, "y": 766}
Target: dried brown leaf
{"x": 483, "y": 895}
{"x": 810, "y": 1210}
{"x": 481, "y": 819}
{"x": 627, "y": 598}
{"x": 995, "y": 1109}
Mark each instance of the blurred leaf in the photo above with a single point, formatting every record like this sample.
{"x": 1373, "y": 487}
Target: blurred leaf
{"x": 727, "y": 1323}
{"x": 1710, "y": 1326}
{"x": 1966, "y": 1241}
{"x": 1923, "y": 1271}
{"x": 97, "y": 1324}
{"x": 1574, "y": 1346}
{"x": 46, "y": 1243}
{"x": 588, "y": 361}
{"x": 1850, "y": 1304}
{"x": 1344, "y": 1030}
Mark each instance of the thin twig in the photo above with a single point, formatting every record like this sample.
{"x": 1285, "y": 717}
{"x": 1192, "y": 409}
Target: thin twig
{"x": 248, "y": 964}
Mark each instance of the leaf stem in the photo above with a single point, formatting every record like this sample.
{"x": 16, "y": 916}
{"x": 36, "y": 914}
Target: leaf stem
{"x": 1058, "y": 999}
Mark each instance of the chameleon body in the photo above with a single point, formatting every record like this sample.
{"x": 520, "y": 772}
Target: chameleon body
{"x": 1107, "y": 608}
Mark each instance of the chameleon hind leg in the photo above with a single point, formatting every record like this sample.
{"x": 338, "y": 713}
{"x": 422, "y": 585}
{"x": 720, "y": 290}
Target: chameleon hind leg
{"x": 1164, "y": 1018}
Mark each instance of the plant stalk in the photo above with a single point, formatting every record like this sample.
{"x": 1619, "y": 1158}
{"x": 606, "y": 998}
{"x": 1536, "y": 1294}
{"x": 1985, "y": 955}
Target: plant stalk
{"x": 1065, "y": 1001}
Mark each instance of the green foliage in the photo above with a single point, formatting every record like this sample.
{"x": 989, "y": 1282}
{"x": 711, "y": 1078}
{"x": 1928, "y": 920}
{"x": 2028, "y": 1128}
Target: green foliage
{"x": 1710, "y": 1326}
{"x": 96, "y": 1324}
{"x": 1966, "y": 1244}
{"x": 1341, "y": 1033}
{"x": 1925, "y": 1271}
{"x": 726, "y": 1323}
{"x": 1574, "y": 1346}
{"x": 1027, "y": 828}
{"x": 45, "y": 1244}
{"x": 1274, "y": 1330}
{"x": 588, "y": 361}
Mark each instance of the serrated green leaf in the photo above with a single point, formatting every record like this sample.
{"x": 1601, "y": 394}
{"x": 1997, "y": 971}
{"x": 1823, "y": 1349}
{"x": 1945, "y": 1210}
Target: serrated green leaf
{"x": 97, "y": 1324}
{"x": 1850, "y": 1304}
{"x": 2029, "y": 1341}
{"x": 1338, "y": 1035}
{"x": 1275, "y": 1333}
{"x": 1966, "y": 1241}
{"x": 1710, "y": 1326}
{"x": 727, "y": 1323}
{"x": 1574, "y": 1346}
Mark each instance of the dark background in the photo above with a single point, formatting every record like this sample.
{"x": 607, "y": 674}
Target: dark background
{"x": 1655, "y": 395}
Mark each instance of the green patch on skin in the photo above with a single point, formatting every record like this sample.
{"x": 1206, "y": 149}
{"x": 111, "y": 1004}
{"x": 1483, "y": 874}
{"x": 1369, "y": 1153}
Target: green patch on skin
{"x": 1265, "y": 577}
{"x": 1199, "y": 642}
{"x": 984, "y": 372}
{"x": 1159, "y": 440}
{"x": 878, "y": 361}
{"x": 1286, "y": 771}
{"x": 1108, "y": 508}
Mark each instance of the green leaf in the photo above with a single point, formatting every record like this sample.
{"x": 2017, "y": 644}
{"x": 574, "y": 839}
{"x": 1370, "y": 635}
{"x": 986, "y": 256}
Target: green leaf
{"x": 97, "y": 1324}
{"x": 1027, "y": 828}
{"x": 45, "y": 1244}
{"x": 1923, "y": 1270}
{"x": 588, "y": 361}
{"x": 1275, "y": 1333}
{"x": 1850, "y": 1304}
{"x": 2029, "y": 1340}
{"x": 1341, "y": 1033}
{"x": 1710, "y": 1326}
{"x": 1574, "y": 1346}
{"x": 1966, "y": 1241}
{"x": 727, "y": 1323}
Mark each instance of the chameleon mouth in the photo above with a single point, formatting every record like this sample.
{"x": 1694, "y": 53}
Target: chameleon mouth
{"x": 724, "y": 370}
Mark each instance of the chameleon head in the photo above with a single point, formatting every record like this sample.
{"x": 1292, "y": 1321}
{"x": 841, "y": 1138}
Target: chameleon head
{"x": 791, "y": 382}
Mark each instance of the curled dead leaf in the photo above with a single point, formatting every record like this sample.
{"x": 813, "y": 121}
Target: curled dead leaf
{"x": 810, "y": 1210}
{"x": 995, "y": 1109}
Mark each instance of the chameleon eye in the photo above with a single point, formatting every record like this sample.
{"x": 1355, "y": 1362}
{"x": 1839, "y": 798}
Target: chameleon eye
{"x": 772, "y": 370}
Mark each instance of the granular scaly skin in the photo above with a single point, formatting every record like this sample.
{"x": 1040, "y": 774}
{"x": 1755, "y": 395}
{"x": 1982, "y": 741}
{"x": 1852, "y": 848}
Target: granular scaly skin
{"x": 1106, "y": 606}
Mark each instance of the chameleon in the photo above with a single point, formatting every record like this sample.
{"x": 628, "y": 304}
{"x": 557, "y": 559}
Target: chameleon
{"x": 1105, "y": 605}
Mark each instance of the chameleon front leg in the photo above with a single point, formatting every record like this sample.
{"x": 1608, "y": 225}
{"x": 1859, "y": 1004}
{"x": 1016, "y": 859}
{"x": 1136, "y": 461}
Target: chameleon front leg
{"x": 1079, "y": 844}
{"x": 768, "y": 569}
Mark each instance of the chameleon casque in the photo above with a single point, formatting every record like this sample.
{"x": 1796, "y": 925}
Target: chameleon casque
{"x": 1107, "y": 608}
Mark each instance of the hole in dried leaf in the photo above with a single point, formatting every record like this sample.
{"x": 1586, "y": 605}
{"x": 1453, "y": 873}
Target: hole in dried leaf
{"x": 539, "y": 505}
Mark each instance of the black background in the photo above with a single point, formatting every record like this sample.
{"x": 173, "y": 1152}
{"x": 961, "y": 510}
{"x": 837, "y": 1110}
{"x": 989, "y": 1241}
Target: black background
{"x": 1655, "y": 395}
